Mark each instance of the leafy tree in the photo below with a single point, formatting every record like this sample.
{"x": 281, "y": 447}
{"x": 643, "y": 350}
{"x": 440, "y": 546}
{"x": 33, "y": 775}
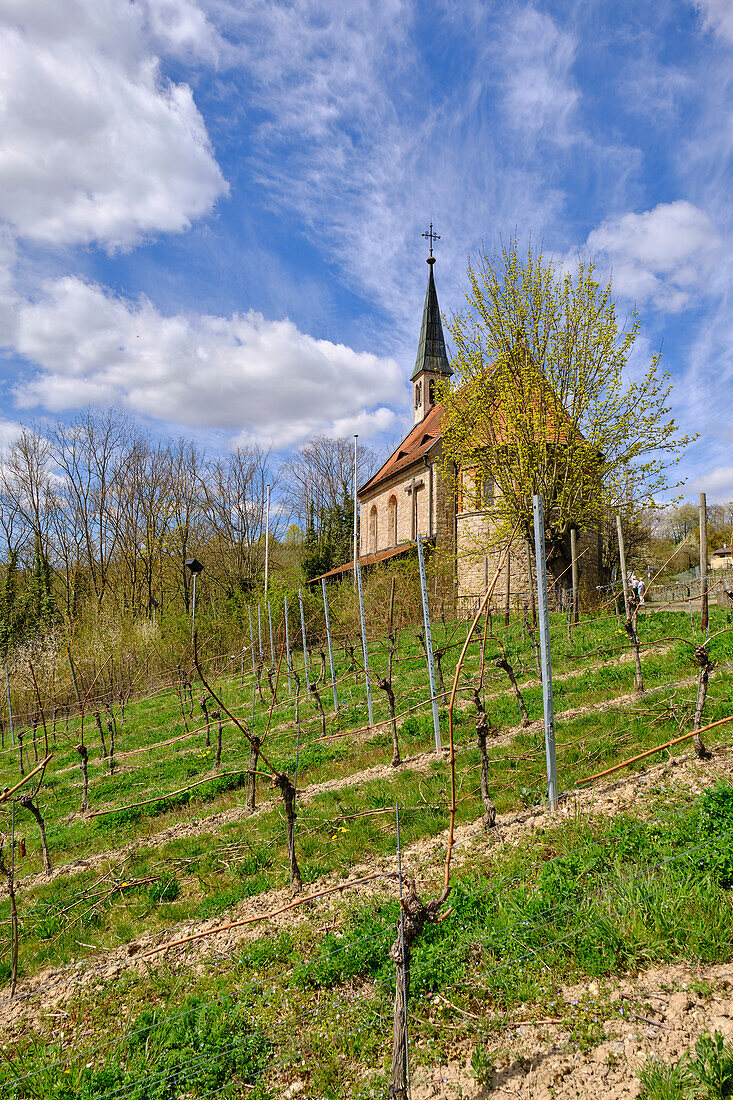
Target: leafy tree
{"x": 541, "y": 401}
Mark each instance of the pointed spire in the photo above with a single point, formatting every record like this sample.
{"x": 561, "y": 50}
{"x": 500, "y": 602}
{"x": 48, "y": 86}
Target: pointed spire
{"x": 431, "y": 354}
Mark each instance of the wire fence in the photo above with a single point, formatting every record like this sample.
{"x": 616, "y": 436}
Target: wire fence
{"x": 175, "y": 704}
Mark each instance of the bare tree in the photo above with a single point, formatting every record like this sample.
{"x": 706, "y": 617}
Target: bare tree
{"x": 88, "y": 454}
{"x": 234, "y": 489}
{"x": 321, "y": 474}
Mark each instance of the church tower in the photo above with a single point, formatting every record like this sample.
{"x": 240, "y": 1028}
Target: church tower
{"x": 431, "y": 365}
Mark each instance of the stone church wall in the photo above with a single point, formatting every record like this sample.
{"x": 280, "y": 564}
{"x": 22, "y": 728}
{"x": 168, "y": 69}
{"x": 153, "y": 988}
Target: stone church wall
{"x": 396, "y": 488}
{"x": 476, "y": 566}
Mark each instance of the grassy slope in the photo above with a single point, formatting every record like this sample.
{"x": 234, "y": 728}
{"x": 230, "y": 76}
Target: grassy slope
{"x": 205, "y": 876}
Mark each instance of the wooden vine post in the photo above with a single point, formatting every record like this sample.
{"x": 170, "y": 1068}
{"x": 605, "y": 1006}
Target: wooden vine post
{"x": 703, "y": 659}
{"x": 630, "y": 620}
{"x": 574, "y": 561}
{"x": 703, "y": 513}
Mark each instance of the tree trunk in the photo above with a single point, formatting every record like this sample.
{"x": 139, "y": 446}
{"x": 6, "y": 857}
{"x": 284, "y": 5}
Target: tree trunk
{"x": 254, "y": 755}
{"x": 111, "y": 726}
{"x": 319, "y": 706}
{"x": 98, "y": 720}
{"x": 386, "y": 687}
{"x": 702, "y": 658}
{"x": 501, "y": 662}
{"x": 413, "y": 914}
{"x": 483, "y": 731}
{"x": 84, "y": 756}
{"x": 630, "y": 625}
{"x": 205, "y": 708}
{"x": 216, "y": 715}
{"x": 8, "y": 872}
{"x": 30, "y": 805}
{"x": 288, "y": 792}
{"x": 439, "y": 655}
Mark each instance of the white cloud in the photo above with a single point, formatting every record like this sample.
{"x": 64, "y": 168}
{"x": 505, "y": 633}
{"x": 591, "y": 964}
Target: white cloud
{"x": 180, "y": 28}
{"x": 362, "y": 143}
{"x": 540, "y": 94}
{"x": 9, "y": 432}
{"x": 242, "y": 374}
{"x": 8, "y": 298}
{"x": 96, "y": 145}
{"x": 717, "y": 16}
{"x": 661, "y": 256}
{"x": 716, "y": 483}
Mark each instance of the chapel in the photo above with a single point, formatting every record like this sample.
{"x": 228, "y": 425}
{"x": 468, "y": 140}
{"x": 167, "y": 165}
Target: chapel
{"x": 407, "y": 495}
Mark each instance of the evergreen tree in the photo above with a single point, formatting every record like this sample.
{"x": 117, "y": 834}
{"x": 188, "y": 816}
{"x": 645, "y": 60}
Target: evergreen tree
{"x": 8, "y": 610}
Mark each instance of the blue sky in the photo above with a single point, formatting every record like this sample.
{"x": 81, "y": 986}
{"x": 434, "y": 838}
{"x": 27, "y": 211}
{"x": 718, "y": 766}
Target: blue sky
{"x": 210, "y": 210}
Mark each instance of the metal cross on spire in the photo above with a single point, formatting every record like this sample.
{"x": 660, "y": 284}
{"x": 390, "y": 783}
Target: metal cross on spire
{"x": 430, "y": 236}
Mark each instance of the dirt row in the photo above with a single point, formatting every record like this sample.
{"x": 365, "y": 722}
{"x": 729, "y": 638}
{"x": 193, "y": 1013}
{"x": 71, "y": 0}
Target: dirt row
{"x": 43, "y": 996}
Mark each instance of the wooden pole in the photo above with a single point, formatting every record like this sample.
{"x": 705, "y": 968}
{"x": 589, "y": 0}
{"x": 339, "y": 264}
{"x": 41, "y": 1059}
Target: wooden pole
{"x": 548, "y": 703}
{"x": 703, "y": 564}
{"x": 630, "y": 623}
{"x": 622, "y": 565}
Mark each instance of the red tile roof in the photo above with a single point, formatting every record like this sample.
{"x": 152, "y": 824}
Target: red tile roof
{"x": 412, "y": 448}
{"x": 369, "y": 559}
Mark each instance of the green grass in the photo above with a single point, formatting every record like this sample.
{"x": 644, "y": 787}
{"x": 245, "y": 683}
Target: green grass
{"x": 219, "y": 867}
{"x": 705, "y": 1074}
{"x": 579, "y": 901}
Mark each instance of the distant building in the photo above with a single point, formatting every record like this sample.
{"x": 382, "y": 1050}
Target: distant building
{"x": 407, "y": 496}
{"x": 721, "y": 559}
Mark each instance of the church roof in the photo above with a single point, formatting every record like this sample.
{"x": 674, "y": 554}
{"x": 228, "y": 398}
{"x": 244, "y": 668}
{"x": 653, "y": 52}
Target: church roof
{"x": 431, "y": 354}
{"x": 412, "y": 448}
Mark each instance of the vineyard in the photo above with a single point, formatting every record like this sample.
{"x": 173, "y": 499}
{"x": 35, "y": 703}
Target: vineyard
{"x": 203, "y": 862}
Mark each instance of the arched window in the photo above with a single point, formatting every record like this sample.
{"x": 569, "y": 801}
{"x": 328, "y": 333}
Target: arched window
{"x": 418, "y": 394}
{"x": 431, "y": 391}
{"x": 392, "y": 521}
{"x": 373, "y": 533}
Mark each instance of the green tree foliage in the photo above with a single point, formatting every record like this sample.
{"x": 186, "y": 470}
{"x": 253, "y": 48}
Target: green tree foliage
{"x": 9, "y": 618}
{"x": 329, "y": 535}
{"x": 541, "y": 400}
{"x": 39, "y": 606}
